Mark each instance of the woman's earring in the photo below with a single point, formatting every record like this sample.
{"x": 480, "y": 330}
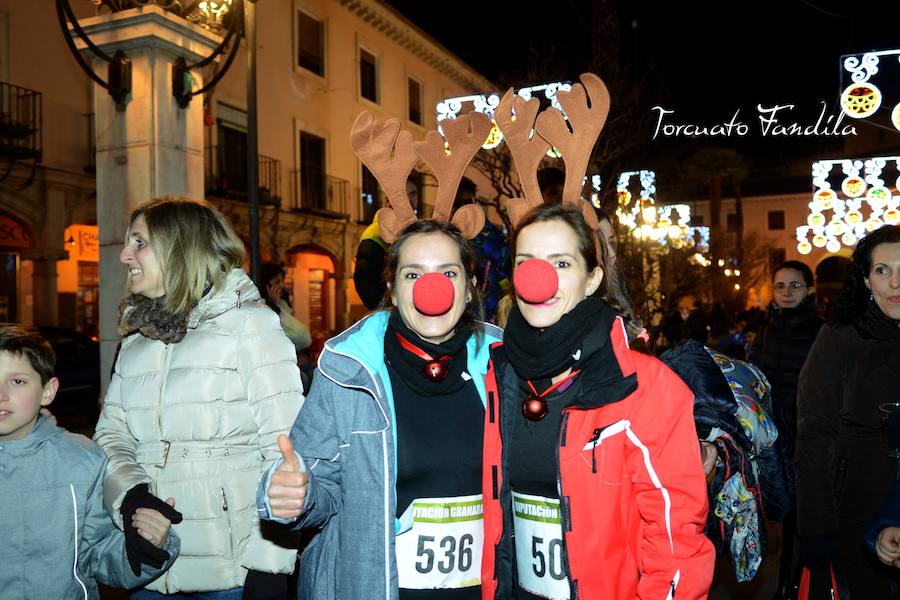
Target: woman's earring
{"x": 872, "y": 296}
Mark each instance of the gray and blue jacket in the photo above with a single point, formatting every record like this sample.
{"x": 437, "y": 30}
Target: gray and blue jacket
{"x": 346, "y": 435}
{"x": 58, "y": 539}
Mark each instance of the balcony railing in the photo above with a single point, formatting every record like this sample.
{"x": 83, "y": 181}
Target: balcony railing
{"x": 21, "y": 117}
{"x": 327, "y": 196}
{"x": 226, "y": 174}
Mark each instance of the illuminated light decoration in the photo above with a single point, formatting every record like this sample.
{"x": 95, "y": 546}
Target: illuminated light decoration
{"x": 721, "y": 262}
{"x": 727, "y": 272}
{"x": 861, "y": 100}
{"x": 895, "y": 116}
{"x": 737, "y": 272}
{"x": 873, "y": 224}
{"x": 595, "y": 190}
{"x": 878, "y": 196}
{"x": 865, "y": 202}
{"x": 815, "y": 219}
{"x": 853, "y": 186}
{"x": 737, "y": 287}
{"x": 825, "y": 198}
{"x": 494, "y": 138}
{"x": 667, "y": 225}
{"x": 451, "y": 108}
{"x": 554, "y": 152}
{"x": 892, "y": 216}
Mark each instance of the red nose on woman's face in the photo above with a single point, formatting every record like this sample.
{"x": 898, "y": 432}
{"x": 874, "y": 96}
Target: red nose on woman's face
{"x": 535, "y": 281}
{"x": 433, "y": 294}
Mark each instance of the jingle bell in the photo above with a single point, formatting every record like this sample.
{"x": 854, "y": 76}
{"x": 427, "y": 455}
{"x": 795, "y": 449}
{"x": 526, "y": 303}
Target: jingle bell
{"x": 534, "y": 408}
{"x": 435, "y": 370}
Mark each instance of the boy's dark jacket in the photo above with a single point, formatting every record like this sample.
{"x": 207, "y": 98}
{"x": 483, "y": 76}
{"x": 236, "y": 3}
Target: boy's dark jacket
{"x": 51, "y": 506}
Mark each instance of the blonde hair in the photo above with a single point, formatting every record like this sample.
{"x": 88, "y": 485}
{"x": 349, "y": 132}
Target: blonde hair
{"x": 194, "y": 244}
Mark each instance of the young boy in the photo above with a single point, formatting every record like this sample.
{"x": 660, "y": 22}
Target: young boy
{"x": 57, "y": 537}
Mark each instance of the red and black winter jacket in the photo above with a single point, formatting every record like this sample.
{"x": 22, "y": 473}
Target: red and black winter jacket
{"x": 633, "y": 493}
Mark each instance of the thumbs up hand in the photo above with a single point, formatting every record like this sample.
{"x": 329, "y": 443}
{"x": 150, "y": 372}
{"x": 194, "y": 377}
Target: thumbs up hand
{"x": 287, "y": 489}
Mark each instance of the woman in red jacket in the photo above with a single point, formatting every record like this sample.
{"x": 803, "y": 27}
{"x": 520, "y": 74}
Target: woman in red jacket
{"x": 593, "y": 486}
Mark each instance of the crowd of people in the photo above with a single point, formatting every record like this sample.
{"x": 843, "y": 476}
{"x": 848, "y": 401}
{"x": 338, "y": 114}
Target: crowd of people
{"x": 431, "y": 455}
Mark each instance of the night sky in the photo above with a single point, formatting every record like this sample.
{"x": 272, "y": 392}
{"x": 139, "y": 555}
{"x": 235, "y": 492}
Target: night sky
{"x": 703, "y": 60}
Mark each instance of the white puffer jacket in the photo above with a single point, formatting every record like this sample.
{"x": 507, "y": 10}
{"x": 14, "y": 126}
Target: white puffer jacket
{"x": 199, "y": 421}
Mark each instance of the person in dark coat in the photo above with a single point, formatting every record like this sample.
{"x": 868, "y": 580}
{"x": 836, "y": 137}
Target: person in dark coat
{"x": 842, "y": 463}
{"x": 368, "y": 275}
{"x": 780, "y": 350}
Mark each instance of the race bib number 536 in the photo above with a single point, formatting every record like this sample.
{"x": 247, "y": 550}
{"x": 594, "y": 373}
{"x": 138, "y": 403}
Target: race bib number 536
{"x": 442, "y": 547}
{"x": 539, "y": 556}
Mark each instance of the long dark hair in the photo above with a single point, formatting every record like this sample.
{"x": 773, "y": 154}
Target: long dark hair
{"x": 594, "y": 248}
{"x": 855, "y": 296}
{"x": 474, "y": 314}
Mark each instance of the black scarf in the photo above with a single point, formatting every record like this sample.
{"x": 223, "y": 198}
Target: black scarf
{"x": 543, "y": 353}
{"x": 410, "y": 367}
{"x": 874, "y": 324}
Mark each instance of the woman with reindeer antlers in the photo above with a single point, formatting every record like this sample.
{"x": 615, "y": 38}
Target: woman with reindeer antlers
{"x": 593, "y": 485}
{"x": 385, "y": 458}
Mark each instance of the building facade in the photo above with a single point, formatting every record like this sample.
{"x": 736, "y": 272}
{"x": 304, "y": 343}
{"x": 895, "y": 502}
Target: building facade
{"x": 319, "y": 64}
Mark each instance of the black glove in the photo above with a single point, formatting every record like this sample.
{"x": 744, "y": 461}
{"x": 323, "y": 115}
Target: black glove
{"x": 137, "y": 548}
{"x": 265, "y": 586}
{"x": 816, "y": 551}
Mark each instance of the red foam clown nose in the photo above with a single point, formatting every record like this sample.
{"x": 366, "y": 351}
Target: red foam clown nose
{"x": 433, "y": 294}
{"x": 535, "y": 281}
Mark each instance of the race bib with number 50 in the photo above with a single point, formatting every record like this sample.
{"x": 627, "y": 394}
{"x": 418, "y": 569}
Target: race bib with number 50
{"x": 539, "y": 556}
{"x": 440, "y": 547}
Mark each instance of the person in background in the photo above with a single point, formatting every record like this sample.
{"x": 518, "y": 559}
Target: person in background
{"x": 204, "y": 382}
{"x": 593, "y": 481}
{"x": 58, "y": 539}
{"x": 842, "y": 463}
{"x": 368, "y": 274}
{"x": 391, "y": 435}
{"x": 271, "y": 289}
{"x": 780, "y": 350}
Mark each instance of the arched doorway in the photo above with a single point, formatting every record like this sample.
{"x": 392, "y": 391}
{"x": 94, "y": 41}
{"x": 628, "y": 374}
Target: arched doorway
{"x": 14, "y": 238}
{"x": 830, "y": 280}
{"x": 310, "y": 281}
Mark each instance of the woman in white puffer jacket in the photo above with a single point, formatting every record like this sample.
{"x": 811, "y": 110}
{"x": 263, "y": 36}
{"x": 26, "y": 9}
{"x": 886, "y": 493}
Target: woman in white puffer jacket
{"x": 204, "y": 383}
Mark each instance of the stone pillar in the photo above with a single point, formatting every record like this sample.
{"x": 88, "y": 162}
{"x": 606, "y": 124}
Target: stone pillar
{"x": 49, "y": 247}
{"x": 150, "y": 149}
{"x": 43, "y": 283}
{"x": 341, "y": 310}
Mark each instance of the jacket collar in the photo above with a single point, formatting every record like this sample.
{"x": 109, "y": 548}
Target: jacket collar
{"x": 43, "y": 430}
{"x": 238, "y": 288}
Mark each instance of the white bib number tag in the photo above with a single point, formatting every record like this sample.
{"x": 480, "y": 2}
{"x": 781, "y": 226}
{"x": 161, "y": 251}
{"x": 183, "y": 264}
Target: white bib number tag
{"x": 539, "y": 556}
{"x": 440, "y": 547}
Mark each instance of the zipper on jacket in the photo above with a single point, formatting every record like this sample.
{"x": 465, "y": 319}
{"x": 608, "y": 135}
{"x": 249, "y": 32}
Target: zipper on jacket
{"x": 595, "y": 438}
{"x": 564, "y": 506}
{"x": 224, "y": 501}
{"x": 164, "y": 373}
{"x": 228, "y": 522}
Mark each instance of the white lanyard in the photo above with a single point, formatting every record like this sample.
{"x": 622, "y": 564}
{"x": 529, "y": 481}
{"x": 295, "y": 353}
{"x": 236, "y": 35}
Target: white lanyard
{"x": 539, "y": 545}
{"x": 441, "y": 542}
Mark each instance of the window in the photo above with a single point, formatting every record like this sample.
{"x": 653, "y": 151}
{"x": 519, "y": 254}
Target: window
{"x": 371, "y": 201}
{"x": 696, "y": 220}
{"x": 226, "y": 170}
{"x": 776, "y": 220}
{"x": 731, "y": 222}
{"x": 310, "y": 43}
{"x": 776, "y": 257}
{"x": 415, "y": 101}
{"x": 368, "y": 75}
{"x": 312, "y": 171}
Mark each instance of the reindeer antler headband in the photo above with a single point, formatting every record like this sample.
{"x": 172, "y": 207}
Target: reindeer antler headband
{"x": 586, "y": 106}
{"x": 391, "y": 154}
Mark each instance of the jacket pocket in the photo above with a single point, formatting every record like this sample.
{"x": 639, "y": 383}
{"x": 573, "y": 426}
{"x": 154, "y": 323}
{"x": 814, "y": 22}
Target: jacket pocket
{"x": 605, "y": 457}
